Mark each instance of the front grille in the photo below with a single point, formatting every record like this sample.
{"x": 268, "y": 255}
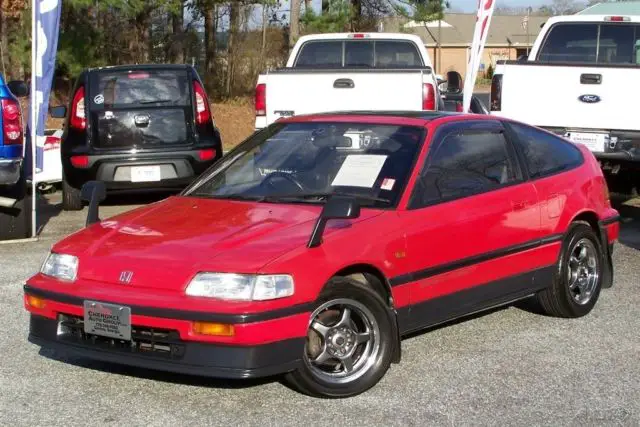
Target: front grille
{"x": 164, "y": 343}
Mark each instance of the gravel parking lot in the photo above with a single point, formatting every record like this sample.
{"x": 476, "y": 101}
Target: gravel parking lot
{"x": 507, "y": 367}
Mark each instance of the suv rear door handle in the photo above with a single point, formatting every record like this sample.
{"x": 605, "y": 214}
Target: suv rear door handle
{"x": 590, "y": 79}
{"x": 343, "y": 84}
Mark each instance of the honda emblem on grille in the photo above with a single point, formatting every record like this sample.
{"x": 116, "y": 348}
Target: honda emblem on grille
{"x": 126, "y": 276}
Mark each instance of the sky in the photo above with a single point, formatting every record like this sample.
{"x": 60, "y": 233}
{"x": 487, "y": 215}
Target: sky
{"x": 468, "y": 6}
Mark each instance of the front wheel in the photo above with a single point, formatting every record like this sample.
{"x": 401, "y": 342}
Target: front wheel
{"x": 350, "y": 342}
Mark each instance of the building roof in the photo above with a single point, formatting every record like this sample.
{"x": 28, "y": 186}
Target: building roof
{"x": 457, "y": 29}
{"x": 618, "y": 7}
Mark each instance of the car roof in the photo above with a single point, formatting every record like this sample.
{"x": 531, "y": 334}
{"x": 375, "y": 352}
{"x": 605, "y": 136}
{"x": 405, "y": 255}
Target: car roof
{"x": 142, "y": 67}
{"x": 390, "y": 116}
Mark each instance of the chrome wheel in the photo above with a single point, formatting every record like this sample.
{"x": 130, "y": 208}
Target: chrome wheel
{"x": 584, "y": 271}
{"x": 343, "y": 341}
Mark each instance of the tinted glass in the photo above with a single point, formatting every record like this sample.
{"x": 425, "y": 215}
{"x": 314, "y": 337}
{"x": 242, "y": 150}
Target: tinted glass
{"x": 149, "y": 87}
{"x": 359, "y": 53}
{"x": 322, "y": 53}
{"x": 545, "y": 153}
{"x": 619, "y": 44}
{"x": 465, "y": 164}
{"x": 306, "y": 162}
{"x": 570, "y": 43}
{"x": 397, "y": 54}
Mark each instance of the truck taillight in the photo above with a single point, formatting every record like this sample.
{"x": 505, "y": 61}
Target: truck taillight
{"x": 78, "y": 119}
{"x": 428, "y": 97}
{"x": 11, "y": 122}
{"x": 203, "y": 111}
{"x": 261, "y": 99}
{"x": 496, "y": 92}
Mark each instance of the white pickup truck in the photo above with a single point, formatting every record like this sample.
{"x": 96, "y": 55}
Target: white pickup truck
{"x": 581, "y": 80}
{"x": 349, "y": 72}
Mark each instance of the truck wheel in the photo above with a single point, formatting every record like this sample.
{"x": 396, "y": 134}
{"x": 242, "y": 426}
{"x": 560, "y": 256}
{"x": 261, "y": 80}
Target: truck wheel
{"x": 15, "y": 223}
{"x": 349, "y": 342}
{"x": 71, "y": 200}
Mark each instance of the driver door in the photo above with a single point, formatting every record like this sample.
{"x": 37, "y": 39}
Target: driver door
{"x": 469, "y": 224}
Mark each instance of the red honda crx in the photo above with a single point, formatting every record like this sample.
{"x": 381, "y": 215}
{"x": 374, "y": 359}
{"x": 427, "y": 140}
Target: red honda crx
{"x": 314, "y": 246}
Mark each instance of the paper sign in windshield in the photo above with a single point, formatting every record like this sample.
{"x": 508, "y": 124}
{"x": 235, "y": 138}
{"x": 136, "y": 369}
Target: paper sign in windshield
{"x": 359, "y": 170}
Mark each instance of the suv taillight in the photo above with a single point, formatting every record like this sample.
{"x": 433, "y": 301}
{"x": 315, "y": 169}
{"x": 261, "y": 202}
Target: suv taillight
{"x": 78, "y": 119}
{"x": 261, "y": 99}
{"x": 11, "y": 122}
{"x": 496, "y": 92}
{"x": 428, "y": 97}
{"x": 203, "y": 111}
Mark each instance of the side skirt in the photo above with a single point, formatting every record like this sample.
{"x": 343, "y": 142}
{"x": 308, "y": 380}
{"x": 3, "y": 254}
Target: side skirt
{"x": 439, "y": 310}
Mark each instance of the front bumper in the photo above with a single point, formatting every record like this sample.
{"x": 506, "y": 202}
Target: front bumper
{"x": 263, "y": 343}
{"x": 10, "y": 171}
{"x": 193, "y": 358}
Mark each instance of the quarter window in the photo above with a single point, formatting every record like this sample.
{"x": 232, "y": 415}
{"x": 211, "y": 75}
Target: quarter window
{"x": 465, "y": 164}
{"x": 545, "y": 153}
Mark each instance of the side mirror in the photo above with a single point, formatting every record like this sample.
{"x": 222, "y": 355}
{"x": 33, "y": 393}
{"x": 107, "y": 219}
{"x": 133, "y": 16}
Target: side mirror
{"x": 336, "y": 207}
{"x": 454, "y": 82}
{"x": 93, "y": 192}
{"x": 19, "y": 88}
{"x": 58, "y": 112}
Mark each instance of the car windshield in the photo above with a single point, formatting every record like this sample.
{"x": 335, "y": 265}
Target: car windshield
{"x": 309, "y": 162}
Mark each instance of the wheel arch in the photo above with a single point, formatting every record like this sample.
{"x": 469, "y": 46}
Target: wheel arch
{"x": 373, "y": 277}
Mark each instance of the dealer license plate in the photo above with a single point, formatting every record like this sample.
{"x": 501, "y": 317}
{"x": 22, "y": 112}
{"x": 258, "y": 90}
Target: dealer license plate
{"x": 595, "y": 142}
{"x": 107, "y": 320}
{"x": 145, "y": 173}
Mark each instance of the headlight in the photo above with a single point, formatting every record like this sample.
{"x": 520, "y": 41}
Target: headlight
{"x": 240, "y": 287}
{"x": 60, "y": 266}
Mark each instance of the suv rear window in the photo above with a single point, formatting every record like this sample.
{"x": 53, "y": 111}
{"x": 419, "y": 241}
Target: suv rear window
{"x": 358, "y": 53}
{"x": 598, "y": 43}
{"x": 130, "y": 88}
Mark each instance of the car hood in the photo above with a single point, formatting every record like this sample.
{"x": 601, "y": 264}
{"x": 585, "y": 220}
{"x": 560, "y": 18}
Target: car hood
{"x": 164, "y": 244}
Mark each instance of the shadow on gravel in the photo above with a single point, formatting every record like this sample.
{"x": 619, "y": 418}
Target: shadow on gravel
{"x": 154, "y": 375}
{"x": 629, "y": 209}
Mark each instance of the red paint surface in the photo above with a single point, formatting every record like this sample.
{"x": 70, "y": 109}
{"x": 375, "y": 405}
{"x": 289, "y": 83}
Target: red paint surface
{"x": 165, "y": 244}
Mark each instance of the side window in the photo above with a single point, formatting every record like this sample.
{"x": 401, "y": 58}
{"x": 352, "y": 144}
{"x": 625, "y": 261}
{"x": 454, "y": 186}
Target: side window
{"x": 464, "y": 164}
{"x": 544, "y": 153}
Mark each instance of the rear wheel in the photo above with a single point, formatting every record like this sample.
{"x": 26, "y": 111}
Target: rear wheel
{"x": 349, "y": 342}
{"x": 579, "y": 274}
{"x": 71, "y": 200}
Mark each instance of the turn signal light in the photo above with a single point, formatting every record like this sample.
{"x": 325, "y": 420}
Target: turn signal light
{"x": 36, "y": 302}
{"x": 218, "y": 329}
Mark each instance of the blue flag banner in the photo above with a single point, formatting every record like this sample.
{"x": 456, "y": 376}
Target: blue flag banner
{"x": 47, "y": 21}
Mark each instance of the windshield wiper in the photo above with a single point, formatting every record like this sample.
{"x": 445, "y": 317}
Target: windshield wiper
{"x": 308, "y": 197}
{"x": 156, "y": 101}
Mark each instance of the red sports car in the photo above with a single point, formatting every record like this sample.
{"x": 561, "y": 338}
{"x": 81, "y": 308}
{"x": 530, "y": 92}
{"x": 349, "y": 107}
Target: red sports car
{"x": 313, "y": 247}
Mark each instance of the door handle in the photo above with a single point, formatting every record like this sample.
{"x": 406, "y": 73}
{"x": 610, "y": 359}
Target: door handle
{"x": 343, "y": 84}
{"x": 590, "y": 79}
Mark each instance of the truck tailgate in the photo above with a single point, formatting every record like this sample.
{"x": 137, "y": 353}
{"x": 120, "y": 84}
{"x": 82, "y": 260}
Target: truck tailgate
{"x": 305, "y": 92}
{"x": 567, "y": 96}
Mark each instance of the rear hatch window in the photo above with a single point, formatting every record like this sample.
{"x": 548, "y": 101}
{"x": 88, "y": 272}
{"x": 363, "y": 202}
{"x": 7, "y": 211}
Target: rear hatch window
{"x": 140, "y": 108}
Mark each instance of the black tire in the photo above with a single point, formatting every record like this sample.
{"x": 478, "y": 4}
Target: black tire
{"x": 15, "y": 223}
{"x": 71, "y": 200}
{"x": 306, "y": 378}
{"x": 558, "y": 300}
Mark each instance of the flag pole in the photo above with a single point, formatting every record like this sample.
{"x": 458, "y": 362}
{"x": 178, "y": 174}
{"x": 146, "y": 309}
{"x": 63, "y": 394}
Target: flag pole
{"x": 34, "y": 118}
